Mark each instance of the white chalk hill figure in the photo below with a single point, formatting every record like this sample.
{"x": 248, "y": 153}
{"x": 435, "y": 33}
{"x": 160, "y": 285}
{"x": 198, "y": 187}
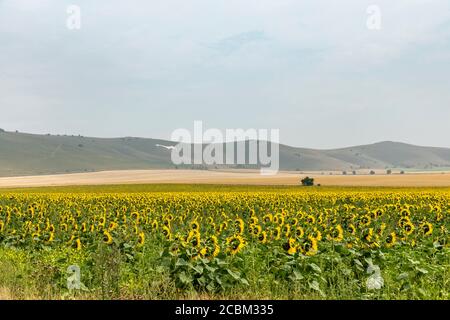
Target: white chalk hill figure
{"x": 375, "y": 281}
{"x": 166, "y": 147}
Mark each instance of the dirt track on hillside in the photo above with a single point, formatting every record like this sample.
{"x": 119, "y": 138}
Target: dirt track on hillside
{"x": 224, "y": 177}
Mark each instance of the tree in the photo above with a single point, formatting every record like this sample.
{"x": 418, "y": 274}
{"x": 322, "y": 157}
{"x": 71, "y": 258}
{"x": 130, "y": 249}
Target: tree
{"x": 372, "y": 172}
{"x": 354, "y": 172}
{"x": 402, "y": 172}
{"x": 389, "y": 171}
{"x": 344, "y": 173}
{"x": 308, "y": 181}
{"x": 2, "y": 130}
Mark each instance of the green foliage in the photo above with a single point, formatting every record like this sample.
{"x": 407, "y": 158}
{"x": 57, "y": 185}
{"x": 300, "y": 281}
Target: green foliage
{"x": 307, "y": 181}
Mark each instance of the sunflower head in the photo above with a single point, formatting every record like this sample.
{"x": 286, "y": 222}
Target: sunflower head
{"x": 141, "y": 239}
{"x": 262, "y": 237}
{"x": 235, "y": 244}
{"x": 427, "y": 228}
{"x": 107, "y": 238}
{"x": 391, "y": 240}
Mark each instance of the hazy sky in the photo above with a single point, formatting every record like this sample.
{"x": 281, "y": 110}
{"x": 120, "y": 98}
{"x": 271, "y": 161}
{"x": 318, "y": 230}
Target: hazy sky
{"x": 313, "y": 69}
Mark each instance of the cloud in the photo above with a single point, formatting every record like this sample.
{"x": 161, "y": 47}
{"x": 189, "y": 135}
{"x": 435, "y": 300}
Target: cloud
{"x": 233, "y": 43}
{"x": 272, "y": 63}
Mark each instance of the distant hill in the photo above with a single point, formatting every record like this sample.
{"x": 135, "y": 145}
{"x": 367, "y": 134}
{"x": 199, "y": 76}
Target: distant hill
{"x": 32, "y": 154}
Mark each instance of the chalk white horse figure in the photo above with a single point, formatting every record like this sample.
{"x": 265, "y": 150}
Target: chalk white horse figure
{"x": 167, "y": 147}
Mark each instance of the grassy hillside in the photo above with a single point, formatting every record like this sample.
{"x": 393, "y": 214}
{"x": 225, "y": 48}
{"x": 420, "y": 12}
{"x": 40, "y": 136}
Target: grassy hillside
{"x": 31, "y": 154}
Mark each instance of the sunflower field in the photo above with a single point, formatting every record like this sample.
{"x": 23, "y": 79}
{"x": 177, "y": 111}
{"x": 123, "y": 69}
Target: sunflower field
{"x": 287, "y": 243}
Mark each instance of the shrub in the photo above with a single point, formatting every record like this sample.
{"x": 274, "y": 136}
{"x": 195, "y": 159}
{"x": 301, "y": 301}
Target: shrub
{"x": 308, "y": 181}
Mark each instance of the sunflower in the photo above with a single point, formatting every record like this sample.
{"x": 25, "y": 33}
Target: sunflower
{"x": 293, "y": 222}
{"x": 239, "y": 224}
{"x": 253, "y": 220}
{"x": 290, "y": 246}
{"x": 107, "y": 238}
{"x": 135, "y": 215}
{"x": 368, "y": 235}
{"x": 310, "y": 219}
{"x": 403, "y": 220}
{"x": 382, "y": 228}
{"x": 377, "y": 213}
{"x": 193, "y": 238}
{"x": 391, "y": 240}
{"x": 408, "y": 228}
{"x": 317, "y": 234}
{"x": 195, "y": 225}
{"x": 174, "y": 248}
{"x": 405, "y": 212}
{"x": 276, "y": 233}
{"x": 51, "y": 237}
{"x": 309, "y": 247}
{"x": 166, "y": 232}
{"x": 223, "y": 226}
{"x": 78, "y": 244}
{"x": 278, "y": 219}
{"x": 102, "y": 221}
{"x": 155, "y": 225}
{"x": 255, "y": 230}
{"x": 427, "y": 228}
{"x": 365, "y": 220}
{"x": 2, "y": 225}
{"x": 112, "y": 226}
{"x": 235, "y": 244}
{"x": 262, "y": 238}
{"x": 351, "y": 228}
{"x": 299, "y": 232}
{"x": 267, "y": 218}
{"x": 216, "y": 246}
{"x": 336, "y": 233}
{"x": 141, "y": 239}
{"x": 286, "y": 230}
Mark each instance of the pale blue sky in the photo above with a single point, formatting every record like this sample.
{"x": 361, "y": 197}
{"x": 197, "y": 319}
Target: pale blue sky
{"x": 310, "y": 68}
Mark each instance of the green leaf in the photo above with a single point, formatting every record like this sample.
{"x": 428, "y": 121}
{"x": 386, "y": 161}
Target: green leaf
{"x": 358, "y": 263}
{"x": 402, "y": 276}
{"x": 160, "y": 269}
{"x": 201, "y": 280}
{"x": 421, "y": 270}
{"x": 235, "y": 274}
{"x": 127, "y": 245}
{"x": 211, "y": 287}
{"x": 197, "y": 268}
{"x": 315, "y": 286}
{"x": 129, "y": 256}
{"x": 220, "y": 262}
{"x": 346, "y": 271}
{"x": 210, "y": 269}
{"x": 185, "y": 279}
{"x": 369, "y": 261}
{"x": 315, "y": 267}
{"x": 414, "y": 262}
{"x": 244, "y": 281}
{"x": 181, "y": 262}
{"x": 296, "y": 275}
